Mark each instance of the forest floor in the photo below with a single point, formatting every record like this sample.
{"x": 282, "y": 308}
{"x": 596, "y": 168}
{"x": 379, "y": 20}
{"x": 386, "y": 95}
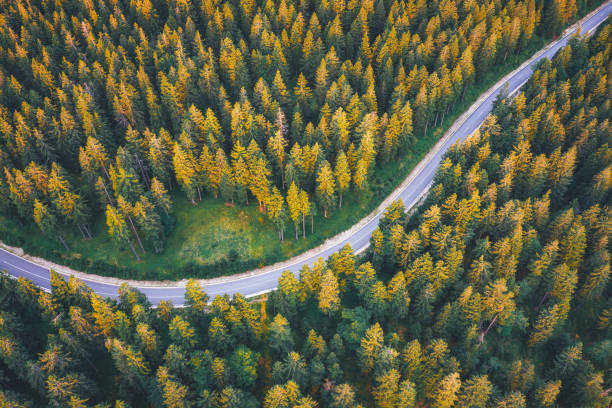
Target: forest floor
{"x": 214, "y": 233}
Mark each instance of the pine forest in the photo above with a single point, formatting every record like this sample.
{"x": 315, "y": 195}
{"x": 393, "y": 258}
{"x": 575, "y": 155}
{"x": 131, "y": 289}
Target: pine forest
{"x": 494, "y": 293}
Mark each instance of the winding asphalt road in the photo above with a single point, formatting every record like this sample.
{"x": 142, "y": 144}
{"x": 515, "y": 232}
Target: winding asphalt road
{"x": 264, "y": 282}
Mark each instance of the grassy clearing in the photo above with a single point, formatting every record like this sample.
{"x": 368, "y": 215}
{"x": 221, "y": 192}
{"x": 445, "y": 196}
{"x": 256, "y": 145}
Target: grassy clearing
{"x": 213, "y": 239}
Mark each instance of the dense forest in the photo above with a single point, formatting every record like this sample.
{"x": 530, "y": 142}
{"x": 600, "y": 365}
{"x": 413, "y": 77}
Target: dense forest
{"x": 495, "y": 293}
{"x": 107, "y": 107}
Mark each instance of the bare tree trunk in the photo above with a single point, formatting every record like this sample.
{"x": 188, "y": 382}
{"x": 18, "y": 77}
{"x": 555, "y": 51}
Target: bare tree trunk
{"x": 312, "y": 223}
{"x": 106, "y": 173}
{"x": 142, "y": 171}
{"x": 81, "y": 230}
{"x": 296, "y": 232}
{"x": 63, "y": 242}
{"x": 87, "y": 231}
{"x": 340, "y": 203}
{"x": 108, "y": 197}
{"x": 483, "y": 334}
{"x": 199, "y": 193}
{"x": 426, "y": 125}
{"x": 136, "y": 233}
{"x": 304, "y": 226}
{"x": 542, "y": 300}
{"x": 134, "y": 250}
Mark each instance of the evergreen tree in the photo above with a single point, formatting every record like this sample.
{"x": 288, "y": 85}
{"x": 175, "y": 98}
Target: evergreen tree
{"x": 326, "y": 187}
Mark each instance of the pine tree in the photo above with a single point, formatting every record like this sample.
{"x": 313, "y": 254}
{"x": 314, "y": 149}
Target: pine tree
{"x": 128, "y": 210}
{"x": 46, "y": 221}
{"x": 498, "y": 304}
{"x": 280, "y": 338}
{"x": 377, "y": 241}
{"x": 277, "y": 144}
{"x": 342, "y": 174}
{"x": 329, "y": 294}
{"x": 185, "y": 171}
{"x": 546, "y": 323}
{"x": 195, "y": 296}
{"x": 326, "y": 187}
{"x": 287, "y": 297}
{"x": 259, "y": 184}
{"x": 117, "y": 228}
{"x": 321, "y": 81}
{"x": 94, "y": 157}
{"x": 181, "y": 333}
{"x": 240, "y": 170}
{"x": 371, "y": 345}
{"x": 295, "y": 209}
{"x": 548, "y": 392}
{"x": 304, "y": 203}
{"x": 276, "y": 211}
{"x": 446, "y": 395}
{"x": 174, "y": 393}
{"x": 343, "y": 396}
{"x": 160, "y": 195}
{"x": 149, "y": 222}
{"x": 475, "y": 392}
{"x": 391, "y": 393}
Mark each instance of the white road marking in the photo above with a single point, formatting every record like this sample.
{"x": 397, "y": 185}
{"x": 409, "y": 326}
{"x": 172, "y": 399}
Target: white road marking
{"x": 26, "y": 271}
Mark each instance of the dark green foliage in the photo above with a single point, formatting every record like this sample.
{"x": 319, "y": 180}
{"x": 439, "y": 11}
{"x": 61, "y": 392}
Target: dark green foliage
{"x": 504, "y": 272}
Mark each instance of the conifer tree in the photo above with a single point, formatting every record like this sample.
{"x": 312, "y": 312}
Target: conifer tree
{"x": 342, "y": 174}
{"x": 276, "y": 211}
{"x": 47, "y": 221}
{"x": 326, "y": 187}
{"x": 185, "y": 171}
{"x": 329, "y": 299}
{"x": 295, "y": 208}
{"x": 305, "y": 209}
{"x": 117, "y": 228}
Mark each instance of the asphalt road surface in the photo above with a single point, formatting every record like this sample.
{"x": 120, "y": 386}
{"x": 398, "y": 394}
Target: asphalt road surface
{"x": 261, "y": 283}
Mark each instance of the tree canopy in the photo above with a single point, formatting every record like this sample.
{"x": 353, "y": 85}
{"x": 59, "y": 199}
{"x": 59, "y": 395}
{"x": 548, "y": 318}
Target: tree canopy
{"x": 105, "y": 107}
{"x": 494, "y": 293}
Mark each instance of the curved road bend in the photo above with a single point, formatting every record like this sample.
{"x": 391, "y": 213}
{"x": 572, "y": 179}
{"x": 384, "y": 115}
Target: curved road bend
{"x": 261, "y": 283}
